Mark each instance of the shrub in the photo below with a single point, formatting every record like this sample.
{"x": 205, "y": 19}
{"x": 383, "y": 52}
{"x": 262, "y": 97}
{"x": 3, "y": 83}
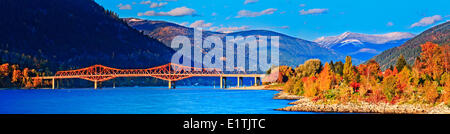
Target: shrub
{"x": 331, "y": 94}
{"x": 345, "y": 92}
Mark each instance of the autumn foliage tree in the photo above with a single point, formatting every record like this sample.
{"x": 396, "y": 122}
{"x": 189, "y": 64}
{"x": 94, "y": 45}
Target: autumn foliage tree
{"x": 326, "y": 78}
{"x": 433, "y": 61}
{"x": 348, "y": 72}
{"x": 284, "y": 73}
{"x": 309, "y": 68}
{"x": 14, "y": 76}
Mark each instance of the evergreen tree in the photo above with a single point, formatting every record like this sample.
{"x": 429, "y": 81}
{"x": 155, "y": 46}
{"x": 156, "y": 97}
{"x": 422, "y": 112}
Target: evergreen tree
{"x": 338, "y": 68}
{"x": 391, "y": 67}
{"x": 401, "y": 63}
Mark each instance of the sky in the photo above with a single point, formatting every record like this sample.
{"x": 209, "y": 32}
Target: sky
{"x": 306, "y": 19}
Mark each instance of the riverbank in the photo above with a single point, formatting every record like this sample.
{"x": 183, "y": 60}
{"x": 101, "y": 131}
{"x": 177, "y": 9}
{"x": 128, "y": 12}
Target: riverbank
{"x": 307, "y": 105}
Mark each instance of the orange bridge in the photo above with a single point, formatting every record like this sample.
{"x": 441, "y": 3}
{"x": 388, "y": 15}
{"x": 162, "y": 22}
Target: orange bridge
{"x": 169, "y": 72}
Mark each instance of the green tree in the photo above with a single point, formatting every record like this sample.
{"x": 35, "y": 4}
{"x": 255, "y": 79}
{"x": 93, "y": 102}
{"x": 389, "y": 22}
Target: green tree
{"x": 269, "y": 71}
{"x": 401, "y": 63}
{"x": 338, "y": 68}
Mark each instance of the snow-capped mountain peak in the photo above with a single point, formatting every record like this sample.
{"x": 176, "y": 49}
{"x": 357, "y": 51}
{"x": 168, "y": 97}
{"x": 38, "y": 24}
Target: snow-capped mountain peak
{"x": 352, "y": 42}
{"x": 330, "y": 41}
{"x": 363, "y": 46}
{"x": 134, "y": 20}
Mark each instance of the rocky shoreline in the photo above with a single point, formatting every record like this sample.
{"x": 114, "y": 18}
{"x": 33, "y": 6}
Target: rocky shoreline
{"x": 306, "y": 105}
{"x": 285, "y": 96}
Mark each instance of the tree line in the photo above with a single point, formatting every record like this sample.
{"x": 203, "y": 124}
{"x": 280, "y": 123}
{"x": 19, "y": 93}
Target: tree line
{"x": 14, "y": 76}
{"x": 427, "y": 81}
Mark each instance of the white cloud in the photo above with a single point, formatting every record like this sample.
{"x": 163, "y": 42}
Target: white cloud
{"x": 302, "y": 5}
{"x": 148, "y": 13}
{"x": 247, "y": 13}
{"x": 145, "y": 2}
{"x": 427, "y": 21}
{"x": 232, "y": 29}
{"x": 200, "y": 23}
{"x": 250, "y": 1}
{"x": 389, "y": 24}
{"x": 124, "y": 7}
{"x": 213, "y": 14}
{"x": 180, "y": 11}
{"x": 155, "y": 4}
{"x": 313, "y": 11}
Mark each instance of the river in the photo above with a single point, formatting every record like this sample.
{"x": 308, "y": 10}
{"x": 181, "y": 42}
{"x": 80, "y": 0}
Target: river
{"x": 141, "y": 100}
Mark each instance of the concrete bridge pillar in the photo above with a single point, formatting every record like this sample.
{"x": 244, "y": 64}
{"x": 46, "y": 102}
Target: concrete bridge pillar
{"x": 53, "y": 83}
{"x": 95, "y": 84}
{"x": 114, "y": 83}
{"x": 172, "y": 84}
{"x": 223, "y": 82}
{"x": 57, "y": 83}
{"x": 239, "y": 81}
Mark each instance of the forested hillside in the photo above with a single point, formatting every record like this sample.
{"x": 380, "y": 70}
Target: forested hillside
{"x": 439, "y": 34}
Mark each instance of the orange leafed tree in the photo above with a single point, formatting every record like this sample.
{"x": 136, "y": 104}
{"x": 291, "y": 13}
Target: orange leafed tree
{"x": 284, "y": 73}
{"x": 326, "y": 78}
{"x": 16, "y": 76}
{"x": 433, "y": 61}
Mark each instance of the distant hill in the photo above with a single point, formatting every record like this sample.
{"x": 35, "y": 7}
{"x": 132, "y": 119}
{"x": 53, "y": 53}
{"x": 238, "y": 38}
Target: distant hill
{"x": 363, "y": 46}
{"x": 65, "y": 34}
{"x": 439, "y": 34}
{"x": 293, "y": 51}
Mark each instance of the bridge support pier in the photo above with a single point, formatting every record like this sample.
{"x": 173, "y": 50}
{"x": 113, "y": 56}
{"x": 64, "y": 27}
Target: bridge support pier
{"x": 57, "y": 83}
{"x": 257, "y": 81}
{"x": 53, "y": 83}
{"x": 172, "y": 84}
{"x": 223, "y": 82}
{"x": 114, "y": 83}
{"x": 95, "y": 84}
{"x": 239, "y": 81}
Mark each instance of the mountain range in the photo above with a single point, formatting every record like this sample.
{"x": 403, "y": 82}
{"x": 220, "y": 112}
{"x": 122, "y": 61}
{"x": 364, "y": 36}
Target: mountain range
{"x": 362, "y": 47}
{"x": 290, "y": 46}
{"x": 439, "y": 34}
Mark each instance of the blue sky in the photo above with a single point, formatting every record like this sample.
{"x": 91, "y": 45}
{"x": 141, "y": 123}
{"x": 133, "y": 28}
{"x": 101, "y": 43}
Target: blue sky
{"x": 306, "y": 19}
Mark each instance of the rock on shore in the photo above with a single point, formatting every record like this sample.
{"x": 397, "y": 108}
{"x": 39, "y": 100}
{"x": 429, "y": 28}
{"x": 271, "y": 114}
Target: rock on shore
{"x": 286, "y": 96}
{"x": 306, "y": 105}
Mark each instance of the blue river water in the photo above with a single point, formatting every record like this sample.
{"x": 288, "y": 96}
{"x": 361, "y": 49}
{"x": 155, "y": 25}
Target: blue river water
{"x": 141, "y": 100}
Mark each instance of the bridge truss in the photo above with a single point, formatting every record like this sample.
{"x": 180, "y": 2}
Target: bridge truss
{"x": 169, "y": 72}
